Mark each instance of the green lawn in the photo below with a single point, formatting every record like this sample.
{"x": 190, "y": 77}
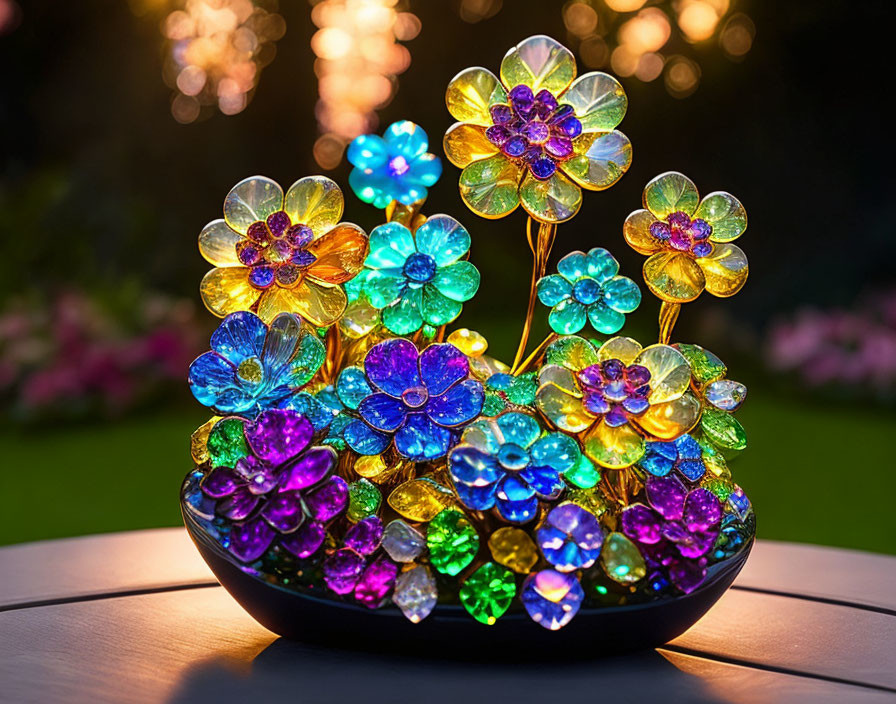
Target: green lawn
{"x": 814, "y": 474}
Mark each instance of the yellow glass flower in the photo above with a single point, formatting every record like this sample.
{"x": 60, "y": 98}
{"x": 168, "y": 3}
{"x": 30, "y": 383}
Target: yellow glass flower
{"x": 274, "y": 253}
{"x": 617, "y": 396}
{"x": 536, "y": 136}
{"x": 688, "y": 240}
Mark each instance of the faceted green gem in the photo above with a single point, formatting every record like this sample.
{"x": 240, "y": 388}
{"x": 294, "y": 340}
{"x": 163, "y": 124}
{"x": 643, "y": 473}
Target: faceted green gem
{"x": 429, "y": 331}
{"x": 452, "y": 541}
{"x": 493, "y": 405}
{"x": 522, "y": 390}
{"x": 226, "y": 443}
{"x": 723, "y": 430}
{"x": 584, "y": 475}
{"x": 487, "y": 593}
{"x": 363, "y": 500}
{"x": 621, "y": 560}
{"x": 722, "y": 488}
{"x": 589, "y": 499}
{"x": 705, "y": 366}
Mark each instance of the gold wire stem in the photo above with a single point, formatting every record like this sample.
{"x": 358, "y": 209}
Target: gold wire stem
{"x": 535, "y": 354}
{"x": 333, "y": 342}
{"x": 668, "y": 315}
{"x": 407, "y": 215}
{"x": 541, "y": 250}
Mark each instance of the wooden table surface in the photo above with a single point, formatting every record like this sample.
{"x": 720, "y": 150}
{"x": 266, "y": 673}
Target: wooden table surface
{"x": 137, "y": 617}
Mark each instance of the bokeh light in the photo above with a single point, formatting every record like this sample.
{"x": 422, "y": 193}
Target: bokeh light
{"x": 359, "y": 58}
{"x": 473, "y": 11}
{"x": 10, "y": 16}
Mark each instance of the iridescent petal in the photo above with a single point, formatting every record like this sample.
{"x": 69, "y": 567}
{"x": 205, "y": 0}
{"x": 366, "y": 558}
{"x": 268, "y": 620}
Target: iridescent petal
{"x": 478, "y": 498}
{"x": 217, "y": 243}
{"x": 352, "y": 387}
{"x": 340, "y": 254}
{"x": 539, "y": 62}
{"x": 383, "y": 287}
{"x": 315, "y": 201}
{"x": 625, "y": 349}
{"x": 602, "y": 266}
{"x": 421, "y": 440}
{"x": 458, "y": 405}
{"x": 562, "y": 409}
{"x": 544, "y": 480}
{"x": 483, "y": 435}
{"x": 211, "y": 377}
{"x": 465, "y": 143}
{"x": 405, "y": 315}
{"x": 240, "y": 335}
{"x": 472, "y": 467}
{"x": 726, "y": 215}
{"x": 518, "y": 511}
{"x": 559, "y": 376}
{"x": 599, "y": 160}
{"x": 490, "y": 187}
{"x": 310, "y": 355}
{"x": 669, "y": 193}
{"x": 363, "y": 439}
{"x": 471, "y": 93}
{"x": 599, "y": 101}
{"x": 637, "y": 232}
{"x": 674, "y": 277}
{"x": 442, "y": 366}
{"x": 573, "y": 266}
{"x": 407, "y": 139}
{"x": 622, "y": 294}
{"x": 553, "y": 289}
{"x": 390, "y": 245}
{"x": 567, "y": 317}
{"x": 424, "y": 171}
{"x": 251, "y": 200}
{"x": 318, "y": 304}
{"x": 553, "y": 200}
{"x": 670, "y": 373}
{"x": 725, "y": 270}
{"x": 443, "y": 238}
{"x": 604, "y": 319}
{"x": 512, "y": 488}
{"x": 667, "y": 496}
{"x": 438, "y": 309}
{"x": 374, "y": 186}
{"x": 667, "y": 421}
{"x": 309, "y": 469}
{"x": 281, "y": 342}
{"x": 518, "y": 428}
{"x": 391, "y": 366}
{"x": 383, "y": 412}
{"x": 572, "y": 352}
{"x": 555, "y": 450}
{"x": 225, "y": 291}
{"x": 615, "y": 448}
{"x": 368, "y": 151}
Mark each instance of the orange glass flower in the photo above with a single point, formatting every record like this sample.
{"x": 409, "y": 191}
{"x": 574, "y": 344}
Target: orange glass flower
{"x": 688, "y": 240}
{"x": 278, "y": 253}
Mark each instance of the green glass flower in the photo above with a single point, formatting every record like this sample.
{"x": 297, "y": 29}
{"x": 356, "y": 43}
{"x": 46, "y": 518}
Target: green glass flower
{"x": 419, "y": 279}
{"x": 588, "y": 289}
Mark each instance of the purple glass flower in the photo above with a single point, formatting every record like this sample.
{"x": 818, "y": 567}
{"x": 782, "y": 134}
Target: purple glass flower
{"x": 420, "y": 399}
{"x": 282, "y": 488}
{"x": 355, "y": 569}
{"x": 534, "y": 129}
{"x": 677, "y": 529}
{"x": 681, "y": 233}
{"x": 570, "y": 537}
{"x": 615, "y": 391}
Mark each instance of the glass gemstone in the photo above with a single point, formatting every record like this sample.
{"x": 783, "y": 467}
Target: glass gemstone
{"x": 621, "y": 560}
{"x": 227, "y": 443}
{"x": 470, "y": 342}
{"x": 726, "y": 395}
{"x": 376, "y": 582}
{"x": 199, "y": 440}
{"x": 419, "y": 268}
{"x": 705, "y": 366}
{"x": 723, "y": 430}
{"x": 513, "y": 548}
{"x": 403, "y": 542}
{"x": 415, "y": 593}
{"x": 420, "y": 499}
{"x": 363, "y": 500}
{"x": 570, "y": 537}
{"x": 342, "y": 570}
{"x": 551, "y": 598}
{"x": 452, "y": 541}
{"x": 364, "y": 537}
{"x": 487, "y": 593}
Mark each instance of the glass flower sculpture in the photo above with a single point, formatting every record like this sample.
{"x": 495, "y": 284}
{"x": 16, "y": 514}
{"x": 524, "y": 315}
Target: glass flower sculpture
{"x": 361, "y": 451}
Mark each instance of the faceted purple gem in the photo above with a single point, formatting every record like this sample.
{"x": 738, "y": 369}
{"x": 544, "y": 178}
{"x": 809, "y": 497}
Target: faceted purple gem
{"x": 218, "y": 483}
{"x": 691, "y": 544}
{"x": 702, "y": 249}
{"x": 259, "y": 232}
{"x": 536, "y": 131}
{"x": 561, "y": 113}
{"x": 283, "y": 511}
{"x": 248, "y": 253}
{"x": 521, "y": 98}
{"x": 288, "y": 274}
{"x": 591, "y": 376}
{"x": 679, "y": 220}
{"x": 342, "y": 570}
{"x": 571, "y": 127}
{"x": 635, "y": 405}
{"x": 278, "y": 435}
{"x": 282, "y": 249}
{"x": 543, "y": 168}
{"x": 329, "y": 500}
{"x": 687, "y": 575}
{"x": 239, "y": 505}
{"x": 547, "y": 100}
{"x": 299, "y": 236}
{"x": 250, "y": 540}
{"x": 616, "y": 417}
{"x": 303, "y": 258}
{"x": 278, "y": 222}
{"x": 261, "y": 276}
{"x": 497, "y": 135}
{"x": 596, "y": 404}
{"x": 258, "y": 477}
{"x": 306, "y": 540}
{"x": 637, "y": 375}
{"x": 376, "y": 582}
{"x": 308, "y": 469}
{"x": 660, "y": 230}
{"x": 701, "y": 510}
{"x": 700, "y": 229}
{"x": 666, "y": 495}
{"x": 501, "y": 114}
{"x": 515, "y": 146}
{"x": 364, "y": 537}
{"x": 641, "y": 524}
{"x": 559, "y": 147}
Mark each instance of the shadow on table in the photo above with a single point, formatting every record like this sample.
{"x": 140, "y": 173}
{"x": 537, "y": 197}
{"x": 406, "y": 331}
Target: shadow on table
{"x": 291, "y": 671}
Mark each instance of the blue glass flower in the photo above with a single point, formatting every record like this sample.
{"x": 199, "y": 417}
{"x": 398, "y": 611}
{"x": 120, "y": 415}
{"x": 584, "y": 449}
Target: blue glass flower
{"x": 394, "y": 167}
{"x": 419, "y": 278}
{"x": 253, "y": 367}
{"x": 510, "y": 463}
{"x": 683, "y": 454}
{"x": 570, "y": 538}
{"x": 420, "y": 400}
{"x": 588, "y": 289}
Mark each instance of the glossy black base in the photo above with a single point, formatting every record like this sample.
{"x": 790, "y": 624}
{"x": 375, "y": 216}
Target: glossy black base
{"x": 450, "y": 630}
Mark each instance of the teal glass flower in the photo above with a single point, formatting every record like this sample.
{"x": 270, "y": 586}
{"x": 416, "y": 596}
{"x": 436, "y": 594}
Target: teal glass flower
{"x": 395, "y": 166}
{"x": 420, "y": 278}
{"x": 588, "y": 289}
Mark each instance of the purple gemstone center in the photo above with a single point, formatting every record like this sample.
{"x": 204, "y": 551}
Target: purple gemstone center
{"x": 615, "y": 391}
{"x": 534, "y": 129}
{"x": 398, "y": 166}
{"x": 276, "y": 251}
{"x": 415, "y": 396}
{"x": 681, "y": 233}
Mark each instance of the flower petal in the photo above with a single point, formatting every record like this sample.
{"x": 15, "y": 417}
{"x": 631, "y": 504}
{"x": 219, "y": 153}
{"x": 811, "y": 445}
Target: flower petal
{"x": 340, "y": 254}
{"x": 471, "y": 93}
{"x": 539, "y": 62}
{"x": 315, "y": 201}
{"x": 420, "y": 439}
{"x": 363, "y": 439}
{"x": 465, "y": 143}
{"x": 572, "y": 352}
{"x": 383, "y": 288}
{"x": 250, "y": 540}
{"x": 555, "y": 450}
{"x": 674, "y": 277}
{"x": 443, "y": 238}
{"x": 368, "y": 151}
{"x": 567, "y": 317}
{"x": 669, "y": 193}
{"x": 517, "y": 511}
{"x": 726, "y": 215}
{"x": 217, "y": 243}
{"x": 212, "y": 381}
{"x": 240, "y": 335}
{"x": 670, "y": 373}
{"x": 562, "y": 409}
{"x": 405, "y": 315}
{"x": 458, "y": 405}
{"x": 599, "y": 159}
{"x": 553, "y": 289}
{"x": 573, "y": 266}
{"x": 407, "y": 139}
{"x": 225, "y": 291}
{"x": 625, "y": 349}
{"x": 559, "y": 376}
{"x": 320, "y": 305}
{"x": 473, "y": 467}
{"x": 390, "y": 245}
{"x": 352, "y": 387}
{"x": 281, "y": 342}
{"x": 725, "y": 269}
{"x": 636, "y": 231}
{"x": 604, "y": 319}
{"x": 374, "y": 186}
{"x": 615, "y": 448}
{"x": 602, "y": 266}
{"x": 622, "y": 294}
{"x": 441, "y": 366}
{"x": 458, "y": 281}
{"x": 251, "y": 200}
{"x": 391, "y": 366}
{"x": 553, "y": 200}
{"x": 383, "y": 412}
{"x": 667, "y": 421}
{"x": 309, "y": 469}
{"x": 667, "y": 496}
{"x": 641, "y": 524}
{"x": 424, "y": 171}
{"x": 701, "y": 510}
{"x": 438, "y": 309}
{"x": 518, "y": 428}
{"x": 490, "y": 187}
{"x": 599, "y": 101}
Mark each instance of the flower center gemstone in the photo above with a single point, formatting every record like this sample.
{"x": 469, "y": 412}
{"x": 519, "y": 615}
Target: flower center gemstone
{"x": 513, "y": 457}
{"x": 398, "y": 166}
{"x": 415, "y": 396}
{"x": 276, "y": 251}
{"x": 680, "y": 233}
{"x": 420, "y": 268}
{"x": 534, "y": 129}
{"x": 586, "y": 291}
{"x": 615, "y": 391}
{"x": 250, "y": 370}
